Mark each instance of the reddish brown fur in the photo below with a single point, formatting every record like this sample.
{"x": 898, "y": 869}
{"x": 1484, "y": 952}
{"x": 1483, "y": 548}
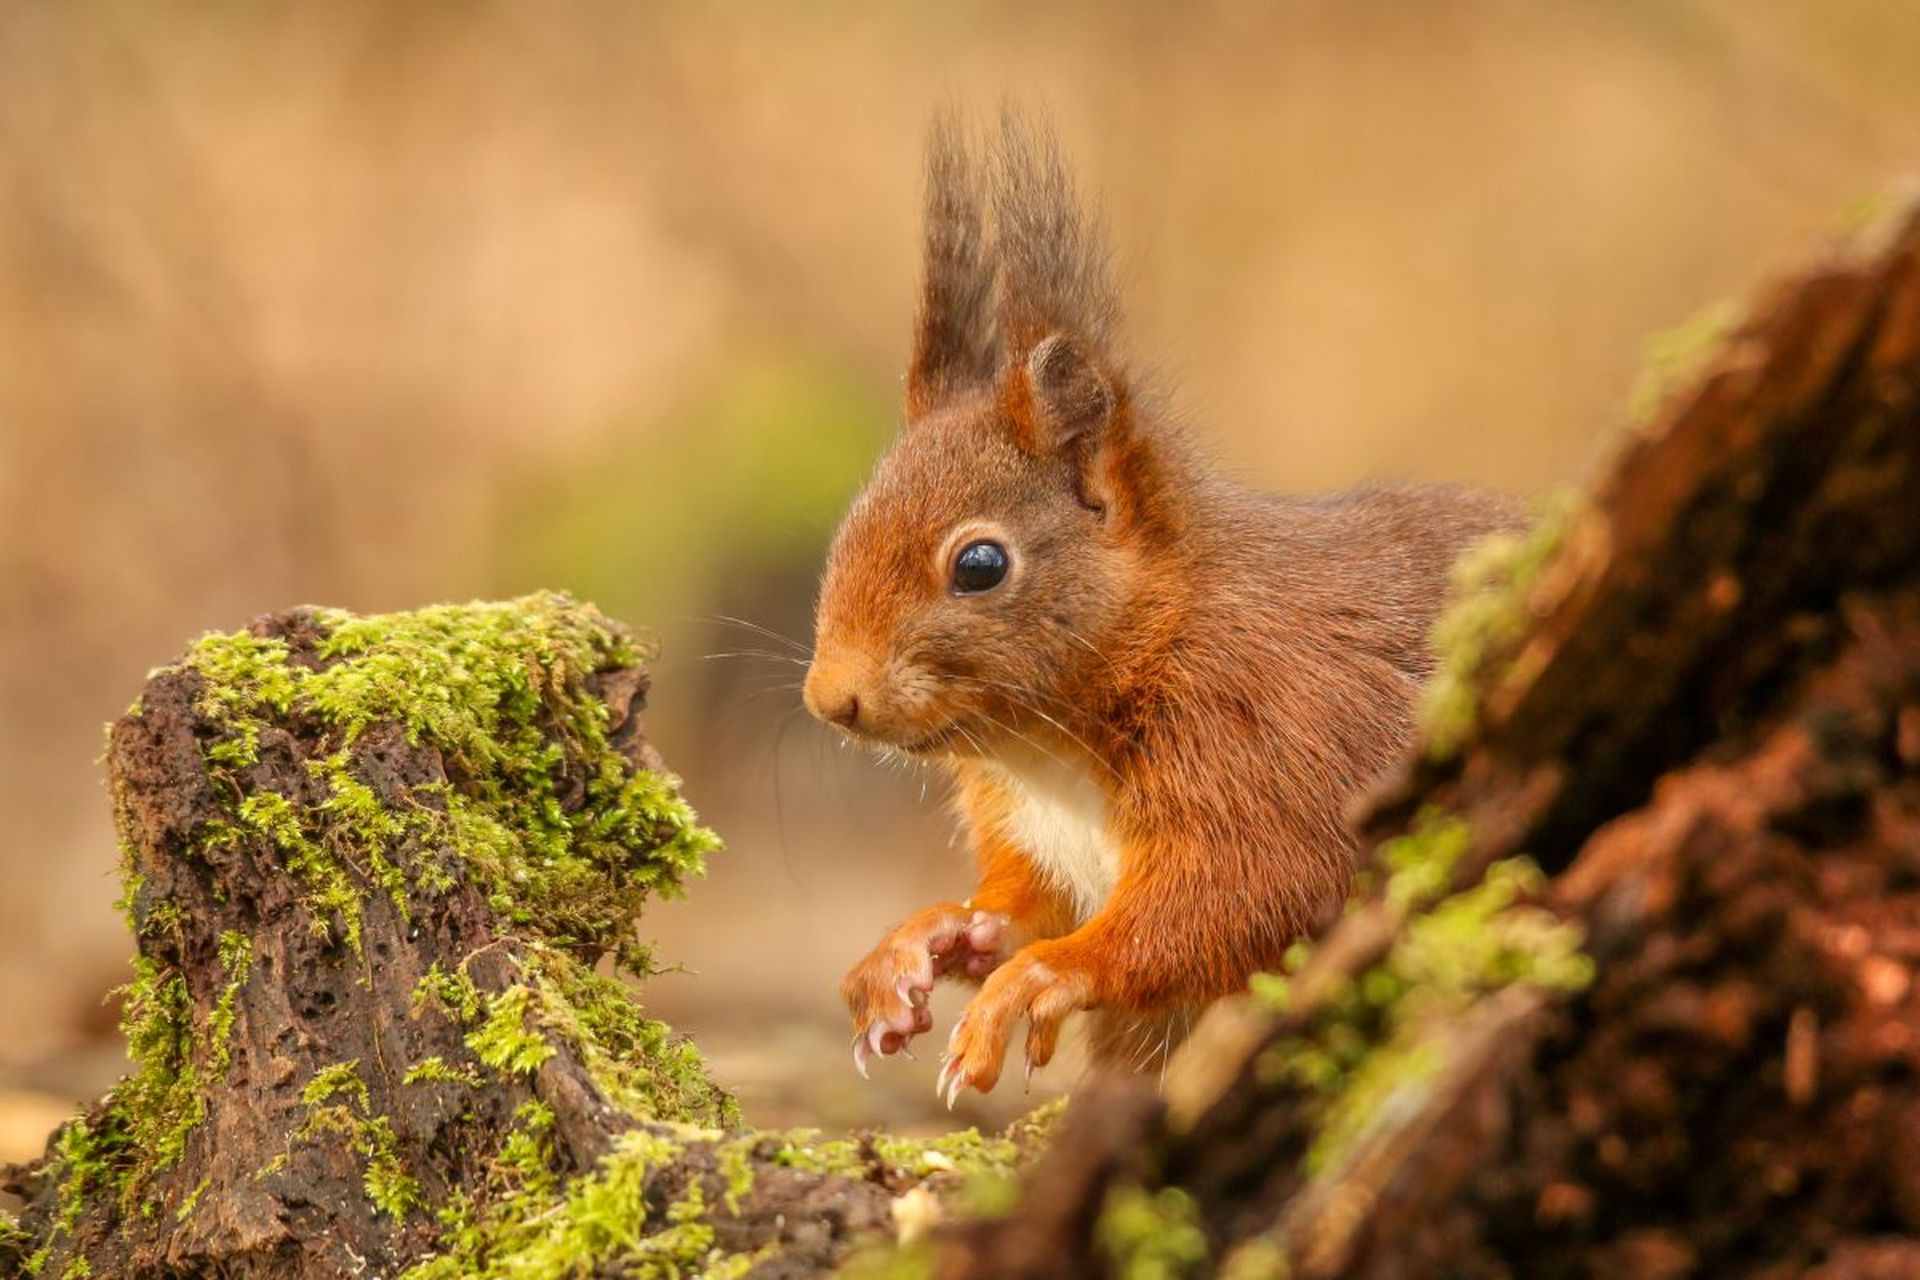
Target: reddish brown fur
{"x": 1233, "y": 667}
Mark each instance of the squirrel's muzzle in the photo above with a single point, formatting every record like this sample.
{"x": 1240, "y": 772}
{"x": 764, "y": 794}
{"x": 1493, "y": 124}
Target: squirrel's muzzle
{"x": 868, "y": 697}
{"x": 833, "y": 688}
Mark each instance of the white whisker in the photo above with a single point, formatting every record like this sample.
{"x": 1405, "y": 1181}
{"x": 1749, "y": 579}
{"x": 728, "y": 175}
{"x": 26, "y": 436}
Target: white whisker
{"x": 757, "y": 629}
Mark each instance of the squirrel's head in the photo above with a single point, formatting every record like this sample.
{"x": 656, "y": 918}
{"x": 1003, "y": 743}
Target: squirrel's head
{"x": 973, "y": 590}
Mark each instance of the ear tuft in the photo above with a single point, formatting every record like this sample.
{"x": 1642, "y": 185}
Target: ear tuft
{"x": 956, "y": 342}
{"x": 1072, "y": 399}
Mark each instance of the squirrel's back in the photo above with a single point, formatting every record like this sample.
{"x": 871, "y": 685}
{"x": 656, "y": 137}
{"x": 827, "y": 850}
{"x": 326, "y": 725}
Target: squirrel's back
{"x": 1368, "y": 567}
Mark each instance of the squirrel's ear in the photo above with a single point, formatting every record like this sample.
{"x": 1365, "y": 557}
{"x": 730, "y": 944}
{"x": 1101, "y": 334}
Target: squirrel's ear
{"x": 1064, "y": 402}
{"x": 1064, "y": 405}
{"x": 1070, "y": 401}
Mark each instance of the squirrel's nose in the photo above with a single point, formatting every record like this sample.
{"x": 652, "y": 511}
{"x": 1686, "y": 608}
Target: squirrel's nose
{"x": 831, "y": 697}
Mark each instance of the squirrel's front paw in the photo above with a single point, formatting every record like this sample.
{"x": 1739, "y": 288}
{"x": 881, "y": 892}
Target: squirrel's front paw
{"x": 1025, "y": 987}
{"x": 887, "y": 991}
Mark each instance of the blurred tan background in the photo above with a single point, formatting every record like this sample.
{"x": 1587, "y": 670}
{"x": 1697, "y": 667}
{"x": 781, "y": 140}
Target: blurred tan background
{"x": 380, "y": 304}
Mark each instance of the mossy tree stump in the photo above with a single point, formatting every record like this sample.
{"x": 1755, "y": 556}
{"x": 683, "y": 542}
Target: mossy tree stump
{"x": 374, "y": 867}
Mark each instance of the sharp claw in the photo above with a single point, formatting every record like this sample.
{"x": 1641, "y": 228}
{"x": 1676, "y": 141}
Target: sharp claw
{"x": 947, "y": 1065}
{"x": 877, "y": 1038}
{"x": 860, "y": 1056}
{"x": 953, "y": 1089}
{"x": 1026, "y": 1085}
{"x": 909, "y": 1053}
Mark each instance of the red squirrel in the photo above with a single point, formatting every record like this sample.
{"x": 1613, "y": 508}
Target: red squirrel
{"x": 1155, "y": 690}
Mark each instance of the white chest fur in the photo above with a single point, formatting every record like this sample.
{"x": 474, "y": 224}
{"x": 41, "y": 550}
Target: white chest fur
{"x": 1057, "y": 815}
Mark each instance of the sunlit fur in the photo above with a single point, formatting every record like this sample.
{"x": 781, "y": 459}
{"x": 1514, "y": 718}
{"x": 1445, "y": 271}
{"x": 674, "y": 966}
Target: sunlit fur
{"x": 1232, "y": 667}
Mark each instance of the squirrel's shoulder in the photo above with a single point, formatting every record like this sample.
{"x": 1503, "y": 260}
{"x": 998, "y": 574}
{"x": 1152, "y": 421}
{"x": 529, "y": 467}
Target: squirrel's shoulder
{"x": 1434, "y": 508}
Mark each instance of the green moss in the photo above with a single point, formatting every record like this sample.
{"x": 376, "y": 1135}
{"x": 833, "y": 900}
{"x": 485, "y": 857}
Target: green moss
{"x": 192, "y": 1201}
{"x": 1420, "y": 865}
{"x": 805, "y": 1149}
{"x": 500, "y": 690}
{"x": 454, "y": 993}
{"x": 335, "y": 1081}
{"x": 975, "y": 1177}
{"x": 1255, "y": 1259}
{"x": 236, "y": 961}
{"x": 736, "y": 1167}
{"x": 393, "y": 1190}
{"x": 88, "y": 1158}
{"x": 503, "y": 1040}
{"x": 1368, "y": 1040}
{"x": 1150, "y": 1235}
{"x": 1033, "y": 1131}
{"x": 1485, "y": 620}
{"x": 247, "y": 679}
{"x": 330, "y": 894}
{"x": 988, "y": 1195}
{"x": 527, "y": 1154}
{"x": 339, "y": 1104}
{"x": 1468, "y": 946}
{"x": 597, "y": 1219}
{"x": 1674, "y": 356}
{"x": 85, "y": 1157}
{"x": 967, "y": 1153}
{"x": 435, "y": 1070}
{"x": 639, "y": 1062}
{"x": 918, "y": 1260}
{"x": 161, "y": 1102}
{"x": 370, "y": 828}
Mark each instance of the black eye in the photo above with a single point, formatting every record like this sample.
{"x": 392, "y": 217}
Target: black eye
{"x": 980, "y": 566}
